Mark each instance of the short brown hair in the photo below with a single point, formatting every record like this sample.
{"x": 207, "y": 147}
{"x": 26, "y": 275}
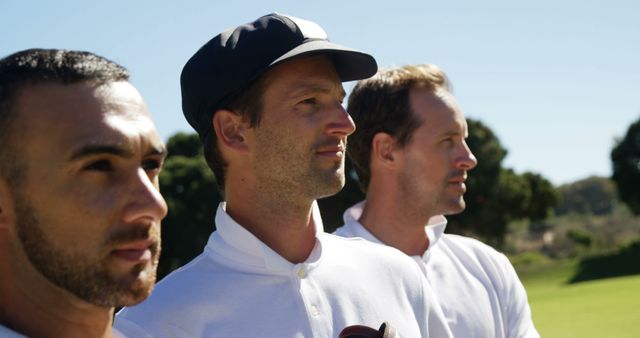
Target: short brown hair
{"x": 33, "y": 66}
{"x": 381, "y": 104}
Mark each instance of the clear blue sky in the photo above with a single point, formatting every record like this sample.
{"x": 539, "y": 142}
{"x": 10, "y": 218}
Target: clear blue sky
{"x": 556, "y": 80}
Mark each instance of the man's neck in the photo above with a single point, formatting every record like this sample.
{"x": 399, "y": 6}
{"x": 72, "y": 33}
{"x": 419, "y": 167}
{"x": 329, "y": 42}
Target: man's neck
{"x": 287, "y": 227}
{"x": 388, "y": 219}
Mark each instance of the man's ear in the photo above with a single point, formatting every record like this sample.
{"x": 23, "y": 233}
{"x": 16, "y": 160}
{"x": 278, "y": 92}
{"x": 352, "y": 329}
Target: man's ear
{"x": 383, "y": 148}
{"x": 230, "y": 129}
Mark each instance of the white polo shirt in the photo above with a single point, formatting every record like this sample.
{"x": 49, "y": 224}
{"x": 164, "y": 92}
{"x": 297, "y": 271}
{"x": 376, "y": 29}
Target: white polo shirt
{"x": 477, "y": 287}
{"x": 239, "y": 287}
{"x": 6, "y": 332}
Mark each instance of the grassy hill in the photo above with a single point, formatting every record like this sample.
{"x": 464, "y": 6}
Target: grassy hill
{"x": 602, "y": 308}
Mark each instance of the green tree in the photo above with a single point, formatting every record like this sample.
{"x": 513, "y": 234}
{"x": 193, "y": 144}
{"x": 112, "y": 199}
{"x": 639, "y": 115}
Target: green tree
{"x": 184, "y": 144}
{"x": 544, "y": 196}
{"x": 192, "y": 195}
{"x": 503, "y": 201}
{"x": 625, "y": 158}
{"x": 593, "y": 195}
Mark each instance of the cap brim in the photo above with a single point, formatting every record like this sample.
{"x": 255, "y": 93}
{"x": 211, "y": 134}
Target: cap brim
{"x": 350, "y": 64}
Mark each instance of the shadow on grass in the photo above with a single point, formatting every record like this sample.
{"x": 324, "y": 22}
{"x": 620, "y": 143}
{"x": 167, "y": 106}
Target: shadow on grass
{"x": 623, "y": 263}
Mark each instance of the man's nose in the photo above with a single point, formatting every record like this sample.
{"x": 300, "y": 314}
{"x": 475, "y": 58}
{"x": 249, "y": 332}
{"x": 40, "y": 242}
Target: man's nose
{"x": 467, "y": 160}
{"x": 145, "y": 201}
{"x": 341, "y": 123}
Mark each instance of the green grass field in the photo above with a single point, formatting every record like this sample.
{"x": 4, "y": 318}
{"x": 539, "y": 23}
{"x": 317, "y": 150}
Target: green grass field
{"x": 605, "y": 308}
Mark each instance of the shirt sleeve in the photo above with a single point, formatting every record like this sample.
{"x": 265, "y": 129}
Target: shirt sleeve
{"x": 516, "y": 310}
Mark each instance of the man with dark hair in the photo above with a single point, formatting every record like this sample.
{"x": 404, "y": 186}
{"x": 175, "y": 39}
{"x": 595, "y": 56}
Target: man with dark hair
{"x": 265, "y": 98}
{"x": 410, "y": 154}
{"x": 80, "y": 208}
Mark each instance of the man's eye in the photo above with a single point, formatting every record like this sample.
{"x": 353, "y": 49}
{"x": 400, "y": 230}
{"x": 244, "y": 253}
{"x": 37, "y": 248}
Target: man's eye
{"x": 101, "y": 165}
{"x": 311, "y": 100}
{"x": 448, "y": 142}
{"x": 152, "y": 164}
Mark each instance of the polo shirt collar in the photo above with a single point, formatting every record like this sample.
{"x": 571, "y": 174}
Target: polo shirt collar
{"x": 245, "y": 251}
{"x": 434, "y": 228}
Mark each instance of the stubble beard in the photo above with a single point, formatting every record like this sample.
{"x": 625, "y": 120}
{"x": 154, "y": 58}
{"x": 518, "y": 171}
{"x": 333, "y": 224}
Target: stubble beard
{"x": 305, "y": 182}
{"x": 326, "y": 182}
{"x": 285, "y": 175}
{"x": 456, "y": 203}
{"x": 456, "y": 206}
{"x": 448, "y": 203}
{"x": 81, "y": 274}
{"x": 428, "y": 201}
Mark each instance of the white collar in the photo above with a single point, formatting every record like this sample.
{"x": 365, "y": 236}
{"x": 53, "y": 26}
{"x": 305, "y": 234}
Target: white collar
{"x": 6, "y": 332}
{"x": 242, "y": 250}
{"x": 434, "y": 228}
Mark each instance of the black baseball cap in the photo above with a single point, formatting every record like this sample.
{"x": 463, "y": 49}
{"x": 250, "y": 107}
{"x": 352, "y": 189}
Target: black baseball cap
{"x": 230, "y": 61}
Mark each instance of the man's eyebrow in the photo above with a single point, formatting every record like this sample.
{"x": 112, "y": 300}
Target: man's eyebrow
{"x": 304, "y": 88}
{"x": 451, "y": 133}
{"x": 98, "y": 149}
{"x": 101, "y": 149}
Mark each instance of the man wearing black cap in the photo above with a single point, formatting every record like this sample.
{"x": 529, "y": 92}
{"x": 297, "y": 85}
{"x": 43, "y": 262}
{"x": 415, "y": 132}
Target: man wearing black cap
{"x": 266, "y": 100}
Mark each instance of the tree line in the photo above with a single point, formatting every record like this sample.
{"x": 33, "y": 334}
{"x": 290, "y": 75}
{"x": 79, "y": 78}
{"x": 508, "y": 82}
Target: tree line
{"x": 496, "y": 195}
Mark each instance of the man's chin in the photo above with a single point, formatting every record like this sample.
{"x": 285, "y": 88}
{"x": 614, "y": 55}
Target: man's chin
{"x": 455, "y": 207}
{"x": 136, "y": 296}
{"x": 136, "y": 286}
{"x": 136, "y": 292}
{"x": 332, "y": 186}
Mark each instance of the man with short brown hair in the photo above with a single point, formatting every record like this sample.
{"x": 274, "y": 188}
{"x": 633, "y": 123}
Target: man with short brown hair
{"x": 80, "y": 208}
{"x": 412, "y": 160}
